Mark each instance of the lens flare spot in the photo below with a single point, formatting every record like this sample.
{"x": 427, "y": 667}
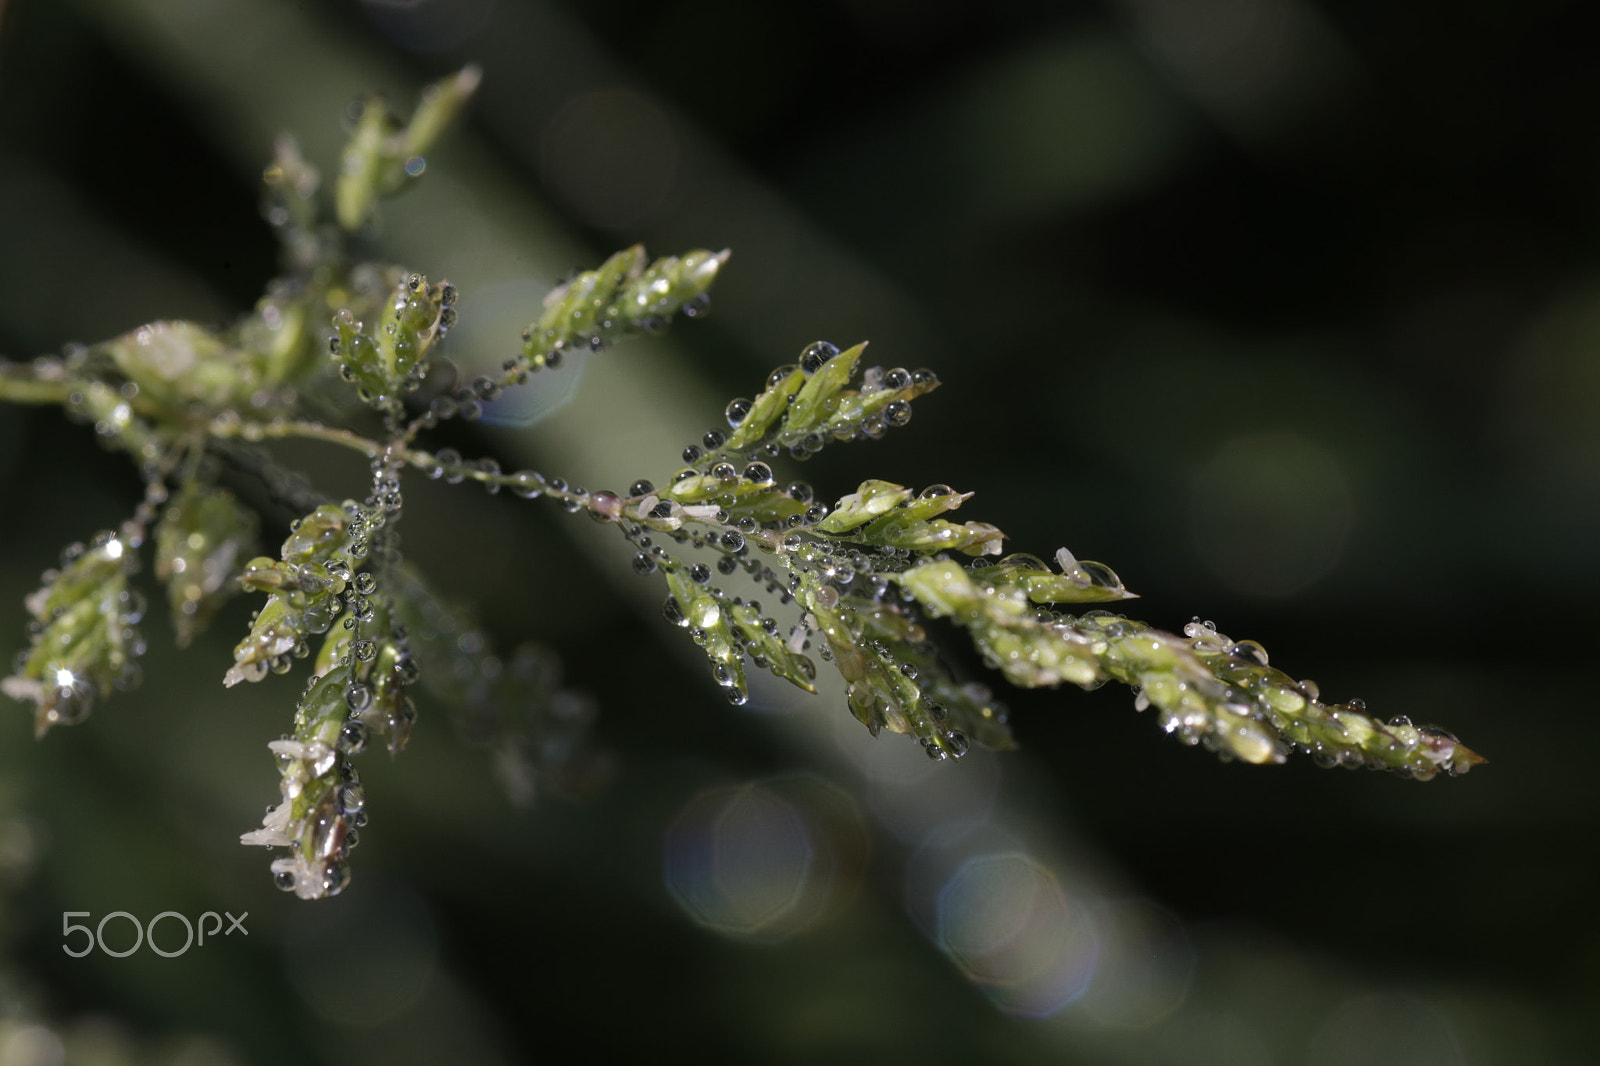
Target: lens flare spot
{"x": 1004, "y": 920}
{"x": 766, "y": 860}
{"x": 1146, "y": 964}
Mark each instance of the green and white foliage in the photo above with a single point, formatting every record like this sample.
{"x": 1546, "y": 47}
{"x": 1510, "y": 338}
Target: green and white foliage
{"x": 84, "y": 636}
{"x": 761, "y": 572}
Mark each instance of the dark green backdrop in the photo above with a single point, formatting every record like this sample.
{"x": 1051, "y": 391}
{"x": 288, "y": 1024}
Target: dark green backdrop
{"x": 1287, "y": 310}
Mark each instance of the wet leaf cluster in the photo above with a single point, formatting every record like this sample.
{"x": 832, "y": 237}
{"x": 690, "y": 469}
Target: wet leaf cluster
{"x": 873, "y": 584}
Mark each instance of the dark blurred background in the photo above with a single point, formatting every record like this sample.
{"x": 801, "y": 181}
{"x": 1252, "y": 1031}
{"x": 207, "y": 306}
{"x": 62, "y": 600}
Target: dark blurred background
{"x": 1288, "y": 310}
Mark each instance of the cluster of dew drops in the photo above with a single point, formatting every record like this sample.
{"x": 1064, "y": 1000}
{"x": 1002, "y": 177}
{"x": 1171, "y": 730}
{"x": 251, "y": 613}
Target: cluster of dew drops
{"x": 366, "y": 536}
{"x": 857, "y": 573}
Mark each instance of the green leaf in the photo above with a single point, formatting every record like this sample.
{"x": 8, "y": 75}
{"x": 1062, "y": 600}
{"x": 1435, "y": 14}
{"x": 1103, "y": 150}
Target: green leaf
{"x": 1207, "y": 689}
{"x": 739, "y": 496}
{"x": 1086, "y": 582}
{"x": 622, "y": 297}
{"x": 85, "y": 641}
{"x": 319, "y": 537}
{"x": 289, "y": 185}
{"x": 884, "y": 515}
{"x": 322, "y": 801}
{"x": 708, "y": 618}
{"x": 811, "y": 404}
{"x": 872, "y": 500}
{"x": 303, "y": 592}
{"x": 769, "y": 650}
{"x": 969, "y": 709}
{"x": 1211, "y": 690}
{"x": 1003, "y": 624}
{"x": 382, "y": 157}
{"x": 203, "y": 533}
{"x": 390, "y": 358}
{"x": 880, "y": 693}
{"x": 765, "y": 410}
{"x": 177, "y": 364}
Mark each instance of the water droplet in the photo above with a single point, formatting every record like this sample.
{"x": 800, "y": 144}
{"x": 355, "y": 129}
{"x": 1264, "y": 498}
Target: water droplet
{"x": 641, "y": 488}
{"x": 760, "y": 473}
{"x": 352, "y": 738}
{"x": 957, "y": 744}
{"x": 714, "y": 439}
{"x": 738, "y": 411}
{"x": 338, "y": 876}
{"x": 813, "y": 358}
{"x": 897, "y": 413}
{"x": 673, "y": 613}
{"x": 351, "y": 798}
{"x": 365, "y": 650}
{"x": 733, "y": 541}
{"x": 605, "y": 506}
{"x": 699, "y": 573}
{"x": 528, "y": 484}
{"x": 366, "y": 584}
{"x": 1101, "y": 574}
{"x": 1249, "y": 649}
{"x": 72, "y": 705}
{"x": 644, "y": 564}
{"x": 358, "y": 697}
{"x": 441, "y": 408}
{"x": 283, "y": 880}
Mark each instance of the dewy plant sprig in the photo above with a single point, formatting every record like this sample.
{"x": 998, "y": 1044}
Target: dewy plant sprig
{"x": 861, "y": 581}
